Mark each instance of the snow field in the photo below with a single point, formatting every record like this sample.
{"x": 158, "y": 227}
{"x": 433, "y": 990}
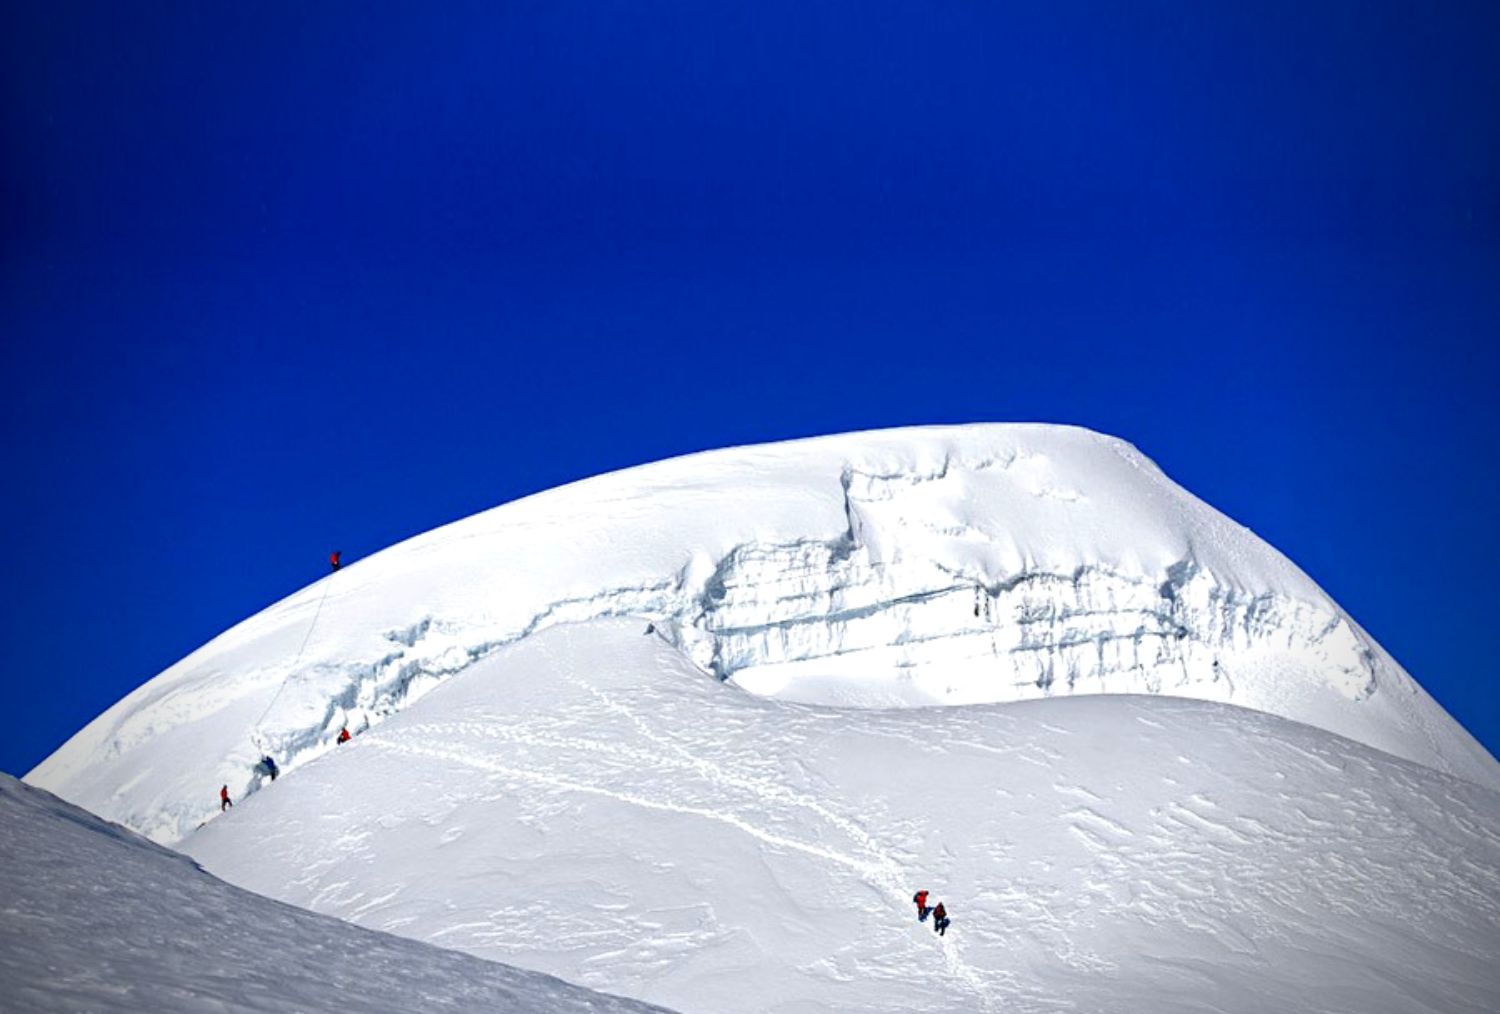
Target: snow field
{"x": 94, "y": 918}
{"x": 588, "y": 803}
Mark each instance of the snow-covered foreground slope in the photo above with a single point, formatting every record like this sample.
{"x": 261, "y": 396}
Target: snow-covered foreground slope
{"x": 94, "y": 918}
{"x": 588, "y": 803}
{"x": 946, "y": 565}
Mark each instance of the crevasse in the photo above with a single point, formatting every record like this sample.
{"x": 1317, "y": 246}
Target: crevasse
{"x": 855, "y": 620}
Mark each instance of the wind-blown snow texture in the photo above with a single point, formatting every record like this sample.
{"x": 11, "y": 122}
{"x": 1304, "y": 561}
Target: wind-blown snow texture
{"x": 95, "y": 918}
{"x": 588, "y": 804}
{"x": 950, "y": 565}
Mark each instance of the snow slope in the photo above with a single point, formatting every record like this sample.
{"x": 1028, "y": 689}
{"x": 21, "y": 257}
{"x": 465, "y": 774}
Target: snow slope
{"x": 94, "y": 918}
{"x": 589, "y": 803}
{"x": 944, "y": 565}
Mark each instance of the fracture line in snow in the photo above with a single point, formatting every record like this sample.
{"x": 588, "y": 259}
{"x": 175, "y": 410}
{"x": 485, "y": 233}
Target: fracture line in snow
{"x": 954, "y": 962}
{"x": 762, "y": 789}
{"x": 526, "y": 736}
{"x": 885, "y": 871}
{"x": 881, "y": 869}
{"x": 568, "y": 784}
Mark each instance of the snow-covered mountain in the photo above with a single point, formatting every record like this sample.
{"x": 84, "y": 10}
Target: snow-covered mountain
{"x": 675, "y": 732}
{"x": 945, "y": 565}
{"x": 95, "y": 918}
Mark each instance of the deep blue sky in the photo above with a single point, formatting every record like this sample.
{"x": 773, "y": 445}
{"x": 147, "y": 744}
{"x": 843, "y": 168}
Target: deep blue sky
{"x": 282, "y": 277}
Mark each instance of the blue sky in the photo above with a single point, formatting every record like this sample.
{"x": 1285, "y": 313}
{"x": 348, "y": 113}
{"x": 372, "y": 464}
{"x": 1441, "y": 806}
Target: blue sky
{"x": 279, "y": 278}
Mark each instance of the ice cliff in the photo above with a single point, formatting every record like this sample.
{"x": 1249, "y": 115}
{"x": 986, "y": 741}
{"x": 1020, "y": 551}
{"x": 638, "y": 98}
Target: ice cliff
{"x": 931, "y": 566}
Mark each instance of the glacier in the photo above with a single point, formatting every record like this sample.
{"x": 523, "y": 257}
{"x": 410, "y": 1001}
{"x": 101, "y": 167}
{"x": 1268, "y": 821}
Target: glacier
{"x": 927, "y": 566}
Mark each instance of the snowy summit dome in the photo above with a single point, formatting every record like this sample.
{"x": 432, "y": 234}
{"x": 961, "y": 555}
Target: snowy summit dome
{"x": 894, "y": 569}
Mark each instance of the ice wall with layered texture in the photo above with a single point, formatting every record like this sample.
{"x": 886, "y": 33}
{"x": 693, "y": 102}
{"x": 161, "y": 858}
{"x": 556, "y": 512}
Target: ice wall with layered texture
{"x": 942, "y": 565}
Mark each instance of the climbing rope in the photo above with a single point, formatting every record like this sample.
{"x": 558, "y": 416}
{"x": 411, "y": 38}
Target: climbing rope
{"x": 255, "y": 736}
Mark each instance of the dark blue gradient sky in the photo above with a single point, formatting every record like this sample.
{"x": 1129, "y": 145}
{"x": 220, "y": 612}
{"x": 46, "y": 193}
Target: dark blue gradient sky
{"x": 282, "y": 277}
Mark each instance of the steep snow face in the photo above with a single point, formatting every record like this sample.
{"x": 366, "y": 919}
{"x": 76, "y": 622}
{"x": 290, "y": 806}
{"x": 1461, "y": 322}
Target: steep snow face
{"x": 953, "y": 565}
{"x": 588, "y": 803}
{"x": 97, "y": 919}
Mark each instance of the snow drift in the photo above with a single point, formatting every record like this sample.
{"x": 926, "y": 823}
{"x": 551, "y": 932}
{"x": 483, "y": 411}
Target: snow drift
{"x": 946, "y": 565}
{"x": 95, "y": 918}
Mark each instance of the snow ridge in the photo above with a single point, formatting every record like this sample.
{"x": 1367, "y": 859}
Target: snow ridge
{"x": 97, "y": 919}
